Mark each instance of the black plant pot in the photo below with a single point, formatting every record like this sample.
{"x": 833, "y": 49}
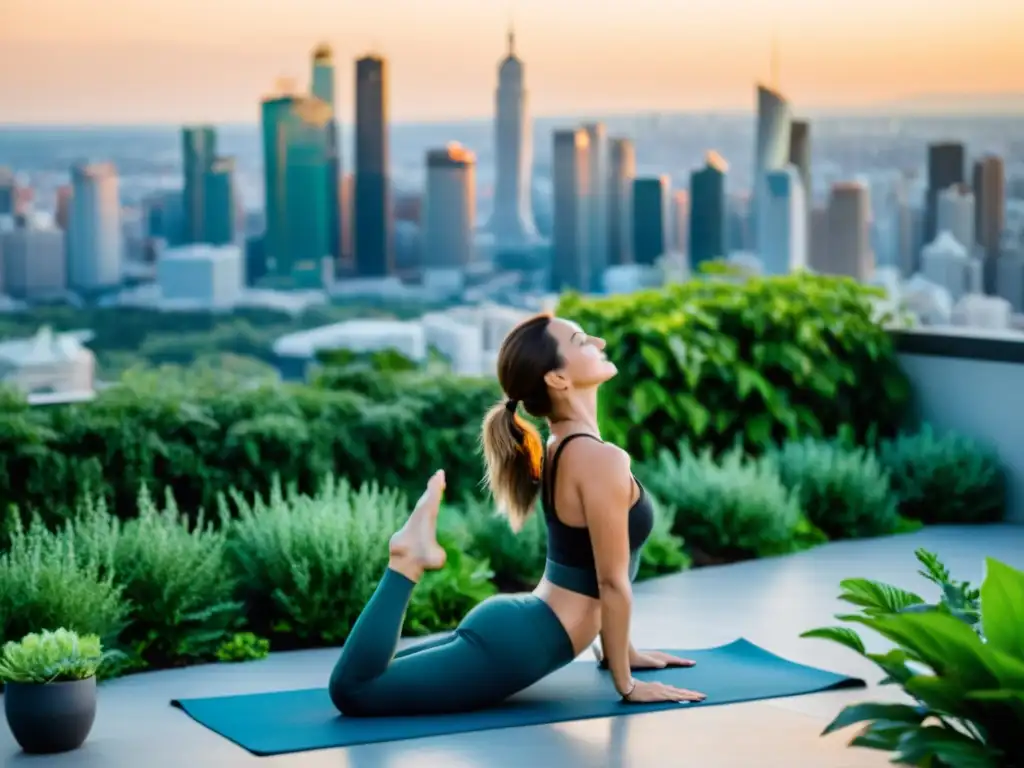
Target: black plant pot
{"x": 51, "y": 717}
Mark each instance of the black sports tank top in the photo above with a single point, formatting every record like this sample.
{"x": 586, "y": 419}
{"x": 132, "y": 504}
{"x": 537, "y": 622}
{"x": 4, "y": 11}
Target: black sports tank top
{"x": 570, "y": 558}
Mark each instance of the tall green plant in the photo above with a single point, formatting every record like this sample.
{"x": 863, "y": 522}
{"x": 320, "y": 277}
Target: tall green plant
{"x": 308, "y": 564}
{"x": 175, "y": 576}
{"x": 968, "y": 685}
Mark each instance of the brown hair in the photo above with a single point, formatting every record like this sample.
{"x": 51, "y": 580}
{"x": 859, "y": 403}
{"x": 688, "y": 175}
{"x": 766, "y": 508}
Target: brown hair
{"x": 513, "y": 448}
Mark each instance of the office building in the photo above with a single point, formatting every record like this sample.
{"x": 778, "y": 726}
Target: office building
{"x": 947, "y": 262}
{"x": 782, "y": 240}
{"x": 771, "y": 148}
{"x": 323, "y": 88}
{"x": 34, "y": 261}
{"x": 295, "y": 159}
{"x": 989, "y": 202}
{"x": 708, "y": 212}
{"x": 220, "y": 203}
{"x": 849, "y": 249}
{"x": 449, "y": 216}
{"x": 650, "y": 217}
{"x": 62, "y": 210}
{"x": 955, "y": 214}
{"x": 201, "y": 275}
{"x": 570, "y": 267}
{"x": 512, "y": 224}
{"x": 621, "y": 172}
{"x": 8, "y": 192}
{"x": 597, "y": 197}
{"x": 199, "y": 151}
{"x": 372, "y": 223}
{"x": 800, "y": 156}
{"x": 945, "y": 168}
{"x": 679, "y": 221}
{"x": 95, "y": 247}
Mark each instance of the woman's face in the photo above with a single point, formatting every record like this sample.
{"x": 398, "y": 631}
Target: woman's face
{"x": 586, "y": 364}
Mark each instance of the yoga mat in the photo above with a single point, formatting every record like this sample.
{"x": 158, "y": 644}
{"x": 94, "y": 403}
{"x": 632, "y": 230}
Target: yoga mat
{"x": 297, "y": 721}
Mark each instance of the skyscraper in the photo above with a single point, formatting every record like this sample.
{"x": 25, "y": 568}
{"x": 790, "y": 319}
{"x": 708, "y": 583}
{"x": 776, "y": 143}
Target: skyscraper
{"x": 771, "y": 149}
{"x": 199, "y": 151}
{"x": 8, "y": 192}
{"x": 597, "y": 155}
{"x": 220, "y": 209}
{"x": 372, "y": 209}
{"x": 849, "y": 252}
{"x": 990, "y": 202}
{"x": 449, "y": 214}
{"x": 954, "y": 213}
{"x": 945, "y": 168}
{"x": 708, "y": 212}
{"x": 650, "y": 219}
{"x": 511, "y": 222}
{"x": 322, "y": 88}
{"x": 570, "y": 268}
{"x": 621, "y": 172}
{"x": 800, "y": 155}
{"x": 294, "y": 159}
{"x": 782, "y": 241}
{"x": 95, "y": 243}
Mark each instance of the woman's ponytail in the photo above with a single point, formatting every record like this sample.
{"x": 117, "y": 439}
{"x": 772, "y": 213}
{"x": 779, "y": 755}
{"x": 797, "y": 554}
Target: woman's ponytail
{"x": 514, "y": 453}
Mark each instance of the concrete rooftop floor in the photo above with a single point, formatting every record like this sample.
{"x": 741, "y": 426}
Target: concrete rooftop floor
{"x": 770, "y": 602}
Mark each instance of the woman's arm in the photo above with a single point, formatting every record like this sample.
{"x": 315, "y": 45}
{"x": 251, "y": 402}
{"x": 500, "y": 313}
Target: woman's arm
{"x": 606, "y": 494}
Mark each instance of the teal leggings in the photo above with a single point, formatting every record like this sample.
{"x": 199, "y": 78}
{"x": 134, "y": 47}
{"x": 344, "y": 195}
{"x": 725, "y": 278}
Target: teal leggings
{"x": 503, "y": 645}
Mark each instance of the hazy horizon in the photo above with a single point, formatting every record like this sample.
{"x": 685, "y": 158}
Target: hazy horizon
{"x": 144, "y": 62}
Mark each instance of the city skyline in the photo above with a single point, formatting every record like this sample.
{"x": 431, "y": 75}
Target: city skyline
{"x": 184, "y": 69}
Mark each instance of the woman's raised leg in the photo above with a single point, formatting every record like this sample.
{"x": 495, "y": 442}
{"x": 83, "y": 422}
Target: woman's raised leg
{"x": 371, "y": 644}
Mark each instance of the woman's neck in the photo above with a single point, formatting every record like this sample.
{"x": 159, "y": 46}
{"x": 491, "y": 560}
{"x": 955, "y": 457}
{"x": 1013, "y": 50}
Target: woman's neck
{"x": 579, "y": 416}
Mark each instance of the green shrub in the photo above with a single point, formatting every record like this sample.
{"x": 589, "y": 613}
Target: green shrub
{"x": 517, "y": 559}
{"x": 843, "y": 491}
{"x": 664, "y": 551}
{"x": 730, "y": 508}
{"x": 967, "y": 687}
{"x": 946, "y": 478}
{"x": 308, "y": 564}
{"x": 52, "y": 657}
{"x": 175, "y": 576}
{"x": 243, "y": 646}
{"x": 443, "y": 598}
{"x": 45, "y": 584}
{"x": 761, "y": 360}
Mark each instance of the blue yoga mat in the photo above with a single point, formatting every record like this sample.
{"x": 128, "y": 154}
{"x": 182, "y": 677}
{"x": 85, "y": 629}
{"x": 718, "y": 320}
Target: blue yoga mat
{"x": 296, "y": 721}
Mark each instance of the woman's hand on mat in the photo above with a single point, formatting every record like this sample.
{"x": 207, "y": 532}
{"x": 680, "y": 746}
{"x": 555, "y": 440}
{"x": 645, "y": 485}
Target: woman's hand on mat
{"x": 657, "y": 660}
{"x": 647, "y": 692}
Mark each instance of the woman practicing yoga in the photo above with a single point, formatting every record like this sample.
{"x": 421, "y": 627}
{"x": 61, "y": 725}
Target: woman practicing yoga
{"x": 597, "y": 516}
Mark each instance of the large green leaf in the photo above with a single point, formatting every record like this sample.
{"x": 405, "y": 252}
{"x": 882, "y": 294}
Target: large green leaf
{"x": 883, "y": 734}
{"x": 842, "y": 635}
{"x": 858, "y": 713}
{"x": 1002, "y": 600}
{"x": 954, "y": 749}
{"x": 876, "y": 597}
{"x": 942, "y": 642}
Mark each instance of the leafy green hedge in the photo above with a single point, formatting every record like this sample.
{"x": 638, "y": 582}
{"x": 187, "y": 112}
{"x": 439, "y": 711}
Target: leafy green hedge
{"x": 201, "y": 439}
{"x": 759, "y": 361}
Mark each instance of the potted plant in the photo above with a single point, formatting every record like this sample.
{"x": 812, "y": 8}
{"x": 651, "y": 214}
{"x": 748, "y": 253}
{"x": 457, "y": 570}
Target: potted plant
{"x": 50, "y": 696}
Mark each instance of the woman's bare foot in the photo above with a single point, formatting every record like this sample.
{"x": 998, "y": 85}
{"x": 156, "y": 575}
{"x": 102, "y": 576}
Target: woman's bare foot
{"x": 414, "y": 547}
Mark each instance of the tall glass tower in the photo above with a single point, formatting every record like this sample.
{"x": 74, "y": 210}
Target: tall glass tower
{"x": 372, "y": 226}
{"x": 708, "y": 215}
{"x": 323, "y": 89}
{"x": 295, "y": 159}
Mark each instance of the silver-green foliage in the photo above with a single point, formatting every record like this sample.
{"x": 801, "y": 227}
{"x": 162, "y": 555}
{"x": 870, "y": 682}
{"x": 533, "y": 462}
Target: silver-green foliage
{"x": 945, "y": 478}
{"x": 308, "y": 564}
{"x": 175, "y": 576}
{"x": 732, "y": 506}
{"x": 51, "y": 657}
{"x": 844, "y": 491}
{"x": 46, "y": 583}
{"x": 517, "y": 558}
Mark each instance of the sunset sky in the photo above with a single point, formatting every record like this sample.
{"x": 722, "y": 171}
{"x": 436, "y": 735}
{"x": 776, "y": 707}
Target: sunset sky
{"x": 171, "y": 61}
